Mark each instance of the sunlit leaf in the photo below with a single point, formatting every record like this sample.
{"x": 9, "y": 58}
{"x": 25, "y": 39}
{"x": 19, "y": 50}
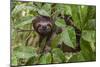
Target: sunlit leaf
{"x": 43, "y": 12}
{"x": 46, "y": 59}
{"x": 60, "y": 23}
{"x": 89, "y": 36}
{"x": 19, "y": 8}
{"x": 14, "y": 60}
{"x": 58, "y": 55}
{"x": 24, "y": 52}
{"x": 66, "y": 39}
{"x": 26, "y": 20}
{"x": 77, "y": 58}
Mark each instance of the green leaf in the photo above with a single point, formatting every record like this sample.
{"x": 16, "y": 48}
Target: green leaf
{"x": 72, "y": 35}
{"x": 66, "y": 39}
{"x": 87, "y": 51}
{"x": 58, "y": 55}
{"x": 31, "y": 61}
{"x": 90, "y": 25}
{"x": 67, "y": 10}
{"x": 83, "y": 14}
{"x": 43, "y": 12}
{"x": 14, "y": 60}
{"x": 64, "y": 9}
{"x": 55, "y": 41}
{"x": 47, "y": 9}
{"x": 77, "y": 58}
{"x": 91, "y": 12}
{"x": 46, "y": 59}
{"x": 89, "y": 35}
{"x": 24, "y": 52}
{"x": 76, "y": 15}
{"x": 24, "y": 21}
{"x": 21, "y": 7}
{"x": 60, "y": 23}
{"x": 17, "y": 9}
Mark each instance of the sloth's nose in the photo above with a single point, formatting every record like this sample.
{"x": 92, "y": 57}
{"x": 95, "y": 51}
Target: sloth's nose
{"x": 44, "y": 27}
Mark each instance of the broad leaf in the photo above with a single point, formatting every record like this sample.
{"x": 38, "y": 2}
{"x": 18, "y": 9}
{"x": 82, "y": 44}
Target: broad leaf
{"x": 46, "y": 58}
{"x": 89, "y": 36}
{"x": 25, "y": 52}
{"x": 58, "y": 55}
{"x": 43, "y": 12}
{"x": 24, "y": 21}
{"x": 66, "y": 39}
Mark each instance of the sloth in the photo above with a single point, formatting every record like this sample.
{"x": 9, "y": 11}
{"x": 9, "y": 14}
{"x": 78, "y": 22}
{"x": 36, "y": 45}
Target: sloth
{"x": 46, "y": 28}
{"x": 43, "y": 25}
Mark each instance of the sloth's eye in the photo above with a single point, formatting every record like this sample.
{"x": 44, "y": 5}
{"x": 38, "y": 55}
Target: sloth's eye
{"x": 49, "y": 25}
{"x": 39, "y": 25}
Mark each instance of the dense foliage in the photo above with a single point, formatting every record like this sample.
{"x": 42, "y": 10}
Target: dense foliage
{"x": 22, "y": 42}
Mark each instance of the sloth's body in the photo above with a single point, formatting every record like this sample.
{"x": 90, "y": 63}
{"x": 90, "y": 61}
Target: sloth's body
{"x": 46, "y": 28}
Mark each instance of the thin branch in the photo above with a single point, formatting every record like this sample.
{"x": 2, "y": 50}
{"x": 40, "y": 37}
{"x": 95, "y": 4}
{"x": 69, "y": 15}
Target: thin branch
{"x": 22, "y": 30}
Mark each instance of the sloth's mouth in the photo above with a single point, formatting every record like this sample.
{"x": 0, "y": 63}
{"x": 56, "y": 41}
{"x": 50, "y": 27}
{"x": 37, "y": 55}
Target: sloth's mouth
{"x": 44, "y": 31}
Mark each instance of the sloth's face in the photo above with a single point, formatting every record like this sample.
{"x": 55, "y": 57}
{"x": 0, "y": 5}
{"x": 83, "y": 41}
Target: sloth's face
{"x": 44, "y": 27}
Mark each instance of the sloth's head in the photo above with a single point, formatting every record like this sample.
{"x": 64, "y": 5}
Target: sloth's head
{"x": 43, "y": 25}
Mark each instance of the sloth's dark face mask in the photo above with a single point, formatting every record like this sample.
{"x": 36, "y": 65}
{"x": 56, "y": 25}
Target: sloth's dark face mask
{"x": 44, "y": 27}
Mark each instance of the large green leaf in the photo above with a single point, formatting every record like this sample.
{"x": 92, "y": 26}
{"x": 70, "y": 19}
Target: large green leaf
{"x": 60, "y": 22}
{"x": 55, "y": 41}
{"x": 24, "y": 52}
{"x": 72, "y": 35}
{"x": 64, "y": 9}
{"x": 47, "y": 9}
{"x": 58, "y": 55}
{"x": 89, "y": 35}
{"x": 21, "y": 7}
{"x": 87, "y": 51}
{"x": 43, "y": 12}
{"x": 82, "y": 13}
{"x": 46, "y": 58}
{"x": 90, "y": 25}
{"x": 17, "y": 9}
{"x": 77, "y": 58}
{"x": 66, "y": 39}
{"x": 24, "y": 21}
{"x": 76, "y": 15}
{"x": 91, "y": 12}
